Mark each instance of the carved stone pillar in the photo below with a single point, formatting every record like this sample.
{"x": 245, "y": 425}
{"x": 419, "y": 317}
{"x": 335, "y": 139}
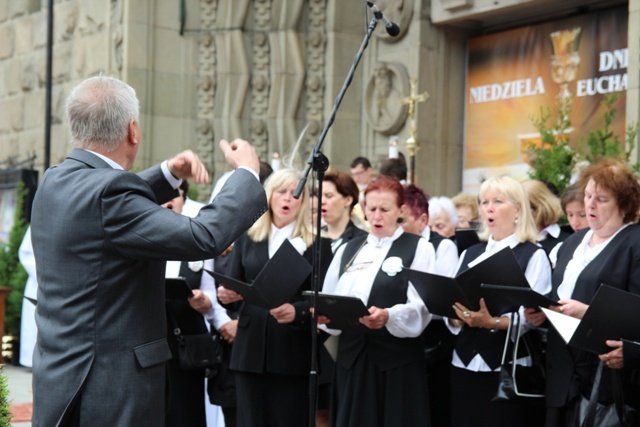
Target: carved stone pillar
{"x": 206, "y": 87}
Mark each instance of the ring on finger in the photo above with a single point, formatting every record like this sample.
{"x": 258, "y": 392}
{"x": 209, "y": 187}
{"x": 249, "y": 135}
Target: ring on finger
{"x": 466, "y": 314}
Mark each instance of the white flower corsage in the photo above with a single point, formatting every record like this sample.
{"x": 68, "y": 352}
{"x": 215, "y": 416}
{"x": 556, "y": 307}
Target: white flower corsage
{"x": 298, "y": 244}
{"x": 196, "y": 266}
{"x": 392, "y": 265}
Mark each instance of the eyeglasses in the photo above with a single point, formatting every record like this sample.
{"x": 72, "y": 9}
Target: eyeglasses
{"x": 358, "y": 266}
{"x": 351, "y": 266}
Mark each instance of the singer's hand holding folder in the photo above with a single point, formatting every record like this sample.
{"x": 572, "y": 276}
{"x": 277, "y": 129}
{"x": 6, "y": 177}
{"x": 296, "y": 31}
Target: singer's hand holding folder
{"x": 177, "y": 288}
{"x": 277, "y": 282}
{"x": 611, "y": 315}
{"x": 439, "y": 293}
{"x": 343, "y": 311}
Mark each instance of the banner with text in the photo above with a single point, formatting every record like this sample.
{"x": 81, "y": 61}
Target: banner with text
{"x": 511, "y": 75}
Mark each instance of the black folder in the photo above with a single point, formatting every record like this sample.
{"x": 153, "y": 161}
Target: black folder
{"x": 277, "y": 282}
{"x": 439, "y": 293}
{"x": 466, "y": 237}
{"x": 177, "y": 288}
{"x": 611, "y": 316}
{"x": 344, "y": 311}
{"x": 519, "y": 296}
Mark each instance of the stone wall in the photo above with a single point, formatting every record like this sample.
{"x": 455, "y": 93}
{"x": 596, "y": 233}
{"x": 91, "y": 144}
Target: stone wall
{"x": 137, "y": 41}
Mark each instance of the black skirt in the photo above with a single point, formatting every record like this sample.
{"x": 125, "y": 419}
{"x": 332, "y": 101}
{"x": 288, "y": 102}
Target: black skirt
{"x": 364, "y": 395}
{"x": 471, "y": 405}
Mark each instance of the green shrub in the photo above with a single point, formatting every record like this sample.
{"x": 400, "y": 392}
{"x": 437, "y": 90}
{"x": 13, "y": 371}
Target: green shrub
{"x": 5, "y": 412}
{"x": 554, "y": 160}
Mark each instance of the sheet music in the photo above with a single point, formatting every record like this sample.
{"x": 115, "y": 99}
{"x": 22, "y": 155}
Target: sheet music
{"x": 565, "y": 325}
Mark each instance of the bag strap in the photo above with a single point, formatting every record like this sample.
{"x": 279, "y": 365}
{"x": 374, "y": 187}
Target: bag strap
{"x": 618, "y": 394}
{"x": 506, "y": 341}
{"x": 618, "y": 397}
{"x": 590, "y": 418}
{"x": 514, "y": 357}
{"x": 517, "y": 327}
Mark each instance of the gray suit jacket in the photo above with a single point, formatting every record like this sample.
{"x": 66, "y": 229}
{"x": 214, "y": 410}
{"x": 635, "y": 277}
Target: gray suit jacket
{"x": 100, "y": 241}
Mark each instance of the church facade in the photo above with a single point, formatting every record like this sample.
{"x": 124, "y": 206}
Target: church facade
{"x": 268, "y": 71}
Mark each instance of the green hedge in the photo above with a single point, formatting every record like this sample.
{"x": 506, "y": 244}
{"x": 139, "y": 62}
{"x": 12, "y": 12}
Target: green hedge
{"x": 12, "y": 274}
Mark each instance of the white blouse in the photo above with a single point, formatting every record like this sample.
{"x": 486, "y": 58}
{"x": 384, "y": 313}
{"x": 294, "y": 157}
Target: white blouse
{"x": 405, "y": 320}
{"x": 538, "y": 274}
{"x": 582, "y": 256}
{"x": 446, "y": 255}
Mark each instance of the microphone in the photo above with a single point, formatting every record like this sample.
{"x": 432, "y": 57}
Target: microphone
{"x": 392, "y": 29}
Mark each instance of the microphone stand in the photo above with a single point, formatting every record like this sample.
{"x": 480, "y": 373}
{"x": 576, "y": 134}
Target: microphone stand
{"x": 319, "y": 163}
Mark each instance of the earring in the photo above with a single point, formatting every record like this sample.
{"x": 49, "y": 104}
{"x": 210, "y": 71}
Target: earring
{"x": 516, "y": 221}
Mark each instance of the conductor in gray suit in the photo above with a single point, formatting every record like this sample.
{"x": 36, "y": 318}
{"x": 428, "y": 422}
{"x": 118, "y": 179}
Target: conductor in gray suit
{"x": 101, "y": 240}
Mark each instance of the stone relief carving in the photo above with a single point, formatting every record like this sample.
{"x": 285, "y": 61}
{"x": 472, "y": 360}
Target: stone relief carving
{"x": 233, "y": 72}
{"x": 398, "y": 11}
{"x": 315, "y": 85}
{"x": 261, "y": 83}
{"x": 117, "y": 35}
{"x": 388, "y": 84}
{"x": 28, "y": 78}
{"x": 287, "y": 73}
{"x": 206, "y": 87}
{"x": 69, "y": 24}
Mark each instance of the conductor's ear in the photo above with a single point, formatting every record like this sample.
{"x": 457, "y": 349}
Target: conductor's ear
{"x": 133, "y": 132}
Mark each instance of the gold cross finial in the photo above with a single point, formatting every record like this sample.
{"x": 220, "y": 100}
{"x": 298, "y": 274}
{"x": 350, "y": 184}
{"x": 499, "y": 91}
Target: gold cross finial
{"x": 413, "y": 99}
{"x": 412, "y": 143}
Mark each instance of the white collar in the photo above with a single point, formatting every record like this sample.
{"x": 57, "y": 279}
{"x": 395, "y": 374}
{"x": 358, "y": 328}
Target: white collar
{"x": 111, "y": 163}
{"x": 287, "y": 229}
{"x": 553, "y": 230}
{"x": 494, "y": 246}
{"x": 426, "y": 233}
{"x": 374, "y": 241}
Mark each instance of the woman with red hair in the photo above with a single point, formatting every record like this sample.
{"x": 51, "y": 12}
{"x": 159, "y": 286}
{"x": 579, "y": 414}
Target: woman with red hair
{"x": 380, "y": 376}
{"x": 606, "y": 252}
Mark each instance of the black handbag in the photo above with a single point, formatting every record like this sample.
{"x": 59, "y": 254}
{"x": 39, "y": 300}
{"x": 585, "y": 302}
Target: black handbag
{"x": 616, "y": 414}
{"x": 200, "y": 351}
{"x": 520, "y": 383}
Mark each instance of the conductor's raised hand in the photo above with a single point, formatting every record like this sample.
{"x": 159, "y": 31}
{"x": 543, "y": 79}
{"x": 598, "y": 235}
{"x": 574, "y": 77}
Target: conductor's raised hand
{"x": 240, "y": 153}
{"x": 187, "y": 165}
{"x": 377, "y": 318}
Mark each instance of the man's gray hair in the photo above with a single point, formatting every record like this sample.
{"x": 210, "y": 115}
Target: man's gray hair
{"x": 99, "y": 111}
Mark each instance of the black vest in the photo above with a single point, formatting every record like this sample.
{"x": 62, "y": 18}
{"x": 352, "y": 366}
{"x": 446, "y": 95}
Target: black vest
{"x": 551, "y": 242}
{"x": 472, "y": 341}
{"x": 435, "y": 239}
{"x": 384, "y": 349}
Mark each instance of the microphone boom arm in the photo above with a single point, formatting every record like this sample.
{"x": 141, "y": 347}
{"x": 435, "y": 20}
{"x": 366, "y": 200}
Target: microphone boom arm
{"x": 332, "y": 115}
{"x": 318, "y": 162}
